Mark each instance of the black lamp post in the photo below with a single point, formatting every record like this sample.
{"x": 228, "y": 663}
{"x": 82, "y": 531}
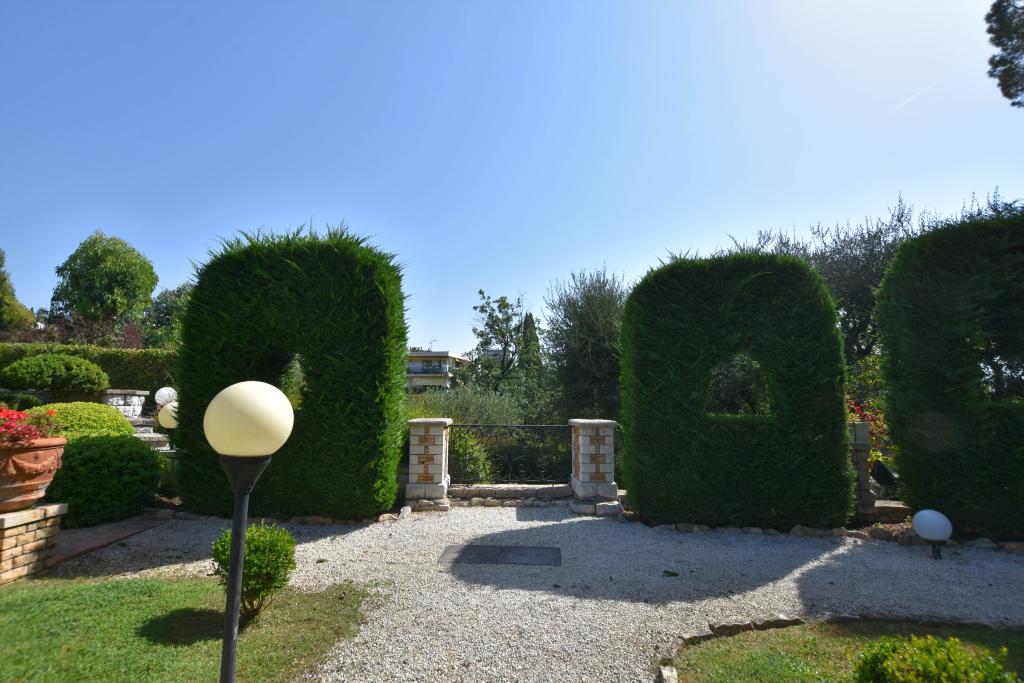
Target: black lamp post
{"x": 245, "y": 423}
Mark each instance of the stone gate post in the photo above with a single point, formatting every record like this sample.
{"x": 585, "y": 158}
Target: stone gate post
{"x": 428, "y": 459}
{"x": 860, "y": 449}
{"x": 593, "y": 459}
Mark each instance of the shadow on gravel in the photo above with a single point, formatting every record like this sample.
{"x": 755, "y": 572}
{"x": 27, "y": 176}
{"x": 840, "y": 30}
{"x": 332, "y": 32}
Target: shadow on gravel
{"x": 176, "y": 542}
{"x": 887, "y": 580}
{"x": 612, "y": 559}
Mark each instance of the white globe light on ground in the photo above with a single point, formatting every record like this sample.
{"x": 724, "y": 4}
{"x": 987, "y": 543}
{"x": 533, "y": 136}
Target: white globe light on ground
{"x": 932, "y": 526}
{"x": 165, "y": 395}
{"x": 248, "y": 419}
{"x": 168, "y": 415}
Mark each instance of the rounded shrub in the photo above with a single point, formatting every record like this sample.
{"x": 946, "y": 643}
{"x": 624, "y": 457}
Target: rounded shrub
{"x": 88, "y": 419}
{"x": 683, "y": 460}
{"x": 951, "y": 323}
{"x": 105, "y": 478}
{"x": 16, "y": 401}
{"x": 337, "y": 304}
{"x": 58, "y": 374}
{"x": 269, "y": 561}
{"x": 927, "y": 659}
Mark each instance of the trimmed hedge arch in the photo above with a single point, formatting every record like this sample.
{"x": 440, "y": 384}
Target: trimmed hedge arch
{"x": 681, "y": 463}
{"x": 338, "y": 304}
{"x": 952, "y": 303}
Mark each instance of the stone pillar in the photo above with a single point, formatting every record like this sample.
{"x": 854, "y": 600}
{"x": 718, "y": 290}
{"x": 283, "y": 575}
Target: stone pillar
{"x": 860, "y": 449}
{"x": 27, "y": 539}
{"x": 593, "y": 459}
{"x": 428, "y": 459}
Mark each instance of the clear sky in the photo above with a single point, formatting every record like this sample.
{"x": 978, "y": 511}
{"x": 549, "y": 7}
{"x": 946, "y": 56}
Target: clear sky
{"x": 495, "y": 145}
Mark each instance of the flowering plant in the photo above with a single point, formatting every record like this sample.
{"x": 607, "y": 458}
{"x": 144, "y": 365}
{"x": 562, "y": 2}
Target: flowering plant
{"x": 866, "y": 411}
{"x": 18, "y": 428}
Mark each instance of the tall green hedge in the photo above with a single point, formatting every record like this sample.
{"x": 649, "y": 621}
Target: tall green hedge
{"x": 951, "y": 319}
{"x": 684, "y": 464}
{"x": 338, "y": 305}
{"x": 145, "y": 369}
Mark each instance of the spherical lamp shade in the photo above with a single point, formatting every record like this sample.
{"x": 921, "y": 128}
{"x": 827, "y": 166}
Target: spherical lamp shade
{"x": 168, "y": 415}
{"x": 165, "y": 395}
{"x": 251, "y": 419}
{"x": 932, "y": 526}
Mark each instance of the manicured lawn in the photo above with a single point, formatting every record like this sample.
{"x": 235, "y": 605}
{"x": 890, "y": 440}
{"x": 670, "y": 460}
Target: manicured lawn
{"x": 816, "y": 653}
{"x": 160, "y": 630}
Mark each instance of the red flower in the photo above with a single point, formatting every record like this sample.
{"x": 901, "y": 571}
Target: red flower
{"x": 51, "y": 412}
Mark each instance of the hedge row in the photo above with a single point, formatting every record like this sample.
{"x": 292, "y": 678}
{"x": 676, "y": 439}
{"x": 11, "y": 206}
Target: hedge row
{"x": 146, "y": 369}
{"x": 683, "y": 463}
{"x": 337, "y": 305}
{"x": 951, "y": 320}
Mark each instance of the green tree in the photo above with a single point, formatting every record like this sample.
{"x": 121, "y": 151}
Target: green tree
{"x": 14, "y": 316}
{"x": 530, "y": 356}
{"x": 162, "y": 318}
{"x": 104, "y": 285}
{"x": 1006, "y": 32}
{"x": 585, "y": 316}
{"x": 499, "y": 333}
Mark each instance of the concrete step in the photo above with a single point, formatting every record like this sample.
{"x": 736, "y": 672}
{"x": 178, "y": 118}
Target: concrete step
{"x": 142, "y": 422}
{"x": 510, "y": 491}
{"x": 154, "y": 440}
{"x": 891, "y": 511}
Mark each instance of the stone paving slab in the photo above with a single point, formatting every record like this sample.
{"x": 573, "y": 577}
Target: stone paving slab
{"x": 72, "y": 543}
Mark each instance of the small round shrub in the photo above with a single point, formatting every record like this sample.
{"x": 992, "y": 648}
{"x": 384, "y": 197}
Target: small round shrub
{"x": 88, "y": 419}
{"x": 105, "y": 478}
{"x": 56, "y": 373}
{"x": 269, "y": 560}
{"x": 919, "y": 660}
{"x": 467, "y": 459}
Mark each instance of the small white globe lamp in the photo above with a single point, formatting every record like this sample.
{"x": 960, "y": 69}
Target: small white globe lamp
{"x": 934, "y": 527}
{"x": 245, "y": 423}
{"x": 168, "y": 415}
{"x": 165, "y": 395}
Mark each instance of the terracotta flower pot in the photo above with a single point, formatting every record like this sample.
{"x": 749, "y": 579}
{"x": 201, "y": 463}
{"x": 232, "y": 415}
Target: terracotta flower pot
{"x": 26, "y": 471}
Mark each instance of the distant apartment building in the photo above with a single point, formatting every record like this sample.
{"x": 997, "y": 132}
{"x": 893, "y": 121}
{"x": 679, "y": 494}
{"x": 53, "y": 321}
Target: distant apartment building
{"x": 431, "y": 369}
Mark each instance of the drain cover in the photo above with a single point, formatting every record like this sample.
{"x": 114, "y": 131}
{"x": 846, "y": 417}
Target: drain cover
{"x": 501, "y": 554}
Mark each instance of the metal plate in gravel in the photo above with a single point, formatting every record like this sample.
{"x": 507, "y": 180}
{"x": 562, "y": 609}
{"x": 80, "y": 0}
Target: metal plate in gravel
{"x": 496, "y": 554}
{"x": 470, "y": 554}
{"x": 551, "y": 557}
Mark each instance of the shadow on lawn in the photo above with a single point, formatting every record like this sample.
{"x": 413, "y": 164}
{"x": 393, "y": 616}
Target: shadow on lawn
{"x": 184, "y": 627}
{"x": 604, "y": 558}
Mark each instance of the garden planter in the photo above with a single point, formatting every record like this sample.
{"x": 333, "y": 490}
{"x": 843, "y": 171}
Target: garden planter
{"x": 26, "y": 471}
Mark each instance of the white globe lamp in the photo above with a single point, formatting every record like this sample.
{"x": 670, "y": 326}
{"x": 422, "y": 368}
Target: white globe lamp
{"x": 245, "y": 423}
{"x": 167, "y": 416}
{"x": 165, "y": 395}
{"x": 934, "y": 527}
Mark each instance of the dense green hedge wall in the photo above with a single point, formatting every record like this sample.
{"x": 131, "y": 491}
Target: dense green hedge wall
{"x": 145, "y": 369}
{"x": 336, "y": 303}
{"x": 682, "y": 464}
{"x": 949, "y": 309}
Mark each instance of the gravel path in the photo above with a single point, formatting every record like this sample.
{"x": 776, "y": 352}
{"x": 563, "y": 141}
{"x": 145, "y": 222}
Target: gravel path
{"x": 606, "y": 614}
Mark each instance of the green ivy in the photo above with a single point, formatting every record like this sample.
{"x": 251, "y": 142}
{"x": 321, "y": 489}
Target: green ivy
{"x": 684, "y": 463}
{"x": 337, "y": 304}
{"x": 951, "y": 320}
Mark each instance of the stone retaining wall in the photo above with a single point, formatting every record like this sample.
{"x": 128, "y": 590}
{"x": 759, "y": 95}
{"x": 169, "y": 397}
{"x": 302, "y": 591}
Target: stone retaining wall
{"x": 28, "y": 540}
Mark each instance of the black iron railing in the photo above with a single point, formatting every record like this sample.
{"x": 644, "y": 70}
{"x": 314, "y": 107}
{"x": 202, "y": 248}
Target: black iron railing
{"x": 504, "y": 454}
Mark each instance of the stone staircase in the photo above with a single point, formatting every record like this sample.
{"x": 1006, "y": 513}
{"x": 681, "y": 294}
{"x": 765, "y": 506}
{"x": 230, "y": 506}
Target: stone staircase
{"x": 145, "y": 432}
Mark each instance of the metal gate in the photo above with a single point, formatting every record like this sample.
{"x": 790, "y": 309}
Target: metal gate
{"x": 507, "y": 454}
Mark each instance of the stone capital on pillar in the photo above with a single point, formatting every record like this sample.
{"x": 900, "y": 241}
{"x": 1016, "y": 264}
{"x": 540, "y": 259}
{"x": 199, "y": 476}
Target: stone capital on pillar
{"x": 593, "y": 459}
{"x": 428, "y": 459}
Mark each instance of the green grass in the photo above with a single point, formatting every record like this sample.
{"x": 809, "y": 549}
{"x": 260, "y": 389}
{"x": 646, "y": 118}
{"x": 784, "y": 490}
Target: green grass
{"x": 824, "y": 652}
{"x": 160, "y": 630}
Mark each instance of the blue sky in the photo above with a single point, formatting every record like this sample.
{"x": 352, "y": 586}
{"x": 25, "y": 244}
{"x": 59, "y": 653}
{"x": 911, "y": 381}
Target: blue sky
{"x": 490, "y": 145}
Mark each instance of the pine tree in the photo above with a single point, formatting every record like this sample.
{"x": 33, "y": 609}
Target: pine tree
{"x": 1006, "y": 32}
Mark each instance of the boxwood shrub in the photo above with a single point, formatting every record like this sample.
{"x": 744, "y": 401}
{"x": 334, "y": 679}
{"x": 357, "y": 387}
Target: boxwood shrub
{"x": 146, "y": 369}
{"x": 58, "y": 374}
{"x": 684, "y": 463}
{"x": 269, "y": 561}
{"x": 87, "y": 419}
{"x": 105, "y": 478}
{"x": 890, "y": 660}
{"x": 951, "y": 321}
{"x": 338, "y": 305}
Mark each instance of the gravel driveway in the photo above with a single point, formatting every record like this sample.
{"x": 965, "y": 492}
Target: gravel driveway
{"x": 606, "y": 614}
